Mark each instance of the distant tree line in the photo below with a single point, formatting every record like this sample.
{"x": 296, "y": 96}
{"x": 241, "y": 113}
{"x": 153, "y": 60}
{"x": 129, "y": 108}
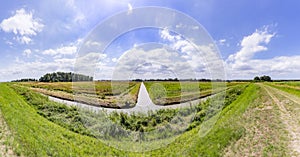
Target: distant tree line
{"x": 262, "y": 78}
{"x": 64, "y": 77}
{"x": 167, "y": 79}
{"x": 25, "y": 80}
{"x": 176, "y": 79}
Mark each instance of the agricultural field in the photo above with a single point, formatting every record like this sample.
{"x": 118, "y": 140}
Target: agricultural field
{"x": 287, "y": 85}
{"x": 99, "y": 93}
{"x": 167, "y": 93}
{"x": 254, "y": 119}
{"x": 124, "y": 94}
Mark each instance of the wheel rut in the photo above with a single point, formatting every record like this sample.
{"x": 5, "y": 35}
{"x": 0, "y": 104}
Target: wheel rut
{"x": 288, "y": 116}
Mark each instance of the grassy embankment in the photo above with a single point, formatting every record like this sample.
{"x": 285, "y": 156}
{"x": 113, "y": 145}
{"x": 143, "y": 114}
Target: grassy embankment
{"x": 37, "y": 136}
{"x": 75, "y": 119}
{"x": 265, "y": 132}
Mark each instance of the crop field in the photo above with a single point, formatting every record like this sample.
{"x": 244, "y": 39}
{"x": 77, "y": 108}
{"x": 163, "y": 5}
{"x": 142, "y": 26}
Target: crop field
{"x": 166, "y": 93}
{"x": 256, "y": 119}
{"x": 99, "y": 93}
{"x": 288, "y": 84}
{"x": 98, "y": 87}
{"x": 124, "y": 94}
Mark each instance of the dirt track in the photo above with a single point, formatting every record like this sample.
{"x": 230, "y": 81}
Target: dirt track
{"x": 289, "y": 106}
{"x": 5, "y": 139}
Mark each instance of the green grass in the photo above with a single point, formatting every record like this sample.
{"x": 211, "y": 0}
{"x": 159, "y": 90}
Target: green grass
{"x": 225, "y": 131}
{"x": 289, "y": 83}
{"x": 97, "y": 87}
{"x": 75, "y": 119}
{"x": 37, "y": 136}
{"x": 171, "y": 92}
{"x": 265, "y": 134}
{"x": 113, "y": 94}
{"x": 290, "y": 87}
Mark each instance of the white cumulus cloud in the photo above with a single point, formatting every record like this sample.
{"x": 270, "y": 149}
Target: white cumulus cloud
{"x": 243, "y": 65}
{"x": 22, "y": 24}
{"x": 252, "y": 44}
{"x": 65, "y": 50}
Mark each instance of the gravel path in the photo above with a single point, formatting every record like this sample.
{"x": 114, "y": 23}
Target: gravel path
{"x": 144, "y": 103}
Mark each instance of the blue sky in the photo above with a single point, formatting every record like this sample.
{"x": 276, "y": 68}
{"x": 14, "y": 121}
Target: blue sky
{"x": 253, "y": 38}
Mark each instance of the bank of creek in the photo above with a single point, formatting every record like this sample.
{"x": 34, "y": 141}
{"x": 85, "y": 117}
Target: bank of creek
{"x": 143, "y": 105}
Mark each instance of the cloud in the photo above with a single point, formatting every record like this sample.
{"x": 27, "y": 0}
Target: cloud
{"x": 277, "y": 67}
{"x": 204, "y": 59}
{"x": 129, "y": 8}
{"x": 157, "y": 62}
{"x": 79, "y": 16}
{"x": 22, "y": 24}
{"x": 242, "y": 65}
{"x": 252, "y": 44}
{"x": 223, "y": 42}
{"x": 34, "y": 69}
{"x": 23, "y": 39}
{"x": 166, "y": 35}
{"x": 114, "y": 60}
{"x": 27, "y": 52}
{"x": 89, "y": 62}
{"x": 64, "y": 50}
{"x": 92, "y": 44}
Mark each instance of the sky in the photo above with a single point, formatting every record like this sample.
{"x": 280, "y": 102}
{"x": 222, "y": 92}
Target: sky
{"x": 122, "y": 39}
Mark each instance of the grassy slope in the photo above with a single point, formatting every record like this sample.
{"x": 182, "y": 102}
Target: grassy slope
{"x": 39, "y": 137}
{"x": 265, "y": 131}
{"x": 225, "y": 131}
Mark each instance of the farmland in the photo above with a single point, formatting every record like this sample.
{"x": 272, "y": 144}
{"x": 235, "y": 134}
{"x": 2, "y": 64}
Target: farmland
{"x": 166, "y": 93}
{"x": 99, "y": 93}
{"x": 253, "y": 119}
{"x": 124, "y": 94}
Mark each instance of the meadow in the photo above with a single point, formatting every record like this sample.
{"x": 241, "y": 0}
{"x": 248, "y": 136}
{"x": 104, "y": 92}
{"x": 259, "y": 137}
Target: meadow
{"x": 41, "y": 127}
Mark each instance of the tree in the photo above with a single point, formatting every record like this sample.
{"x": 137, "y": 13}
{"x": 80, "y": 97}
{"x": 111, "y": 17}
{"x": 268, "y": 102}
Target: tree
{"x": 64, "y": 77}
{"x": 262, "y": 78}
{"x": 256, "y": 78}
{"x": 266, "y": 78}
